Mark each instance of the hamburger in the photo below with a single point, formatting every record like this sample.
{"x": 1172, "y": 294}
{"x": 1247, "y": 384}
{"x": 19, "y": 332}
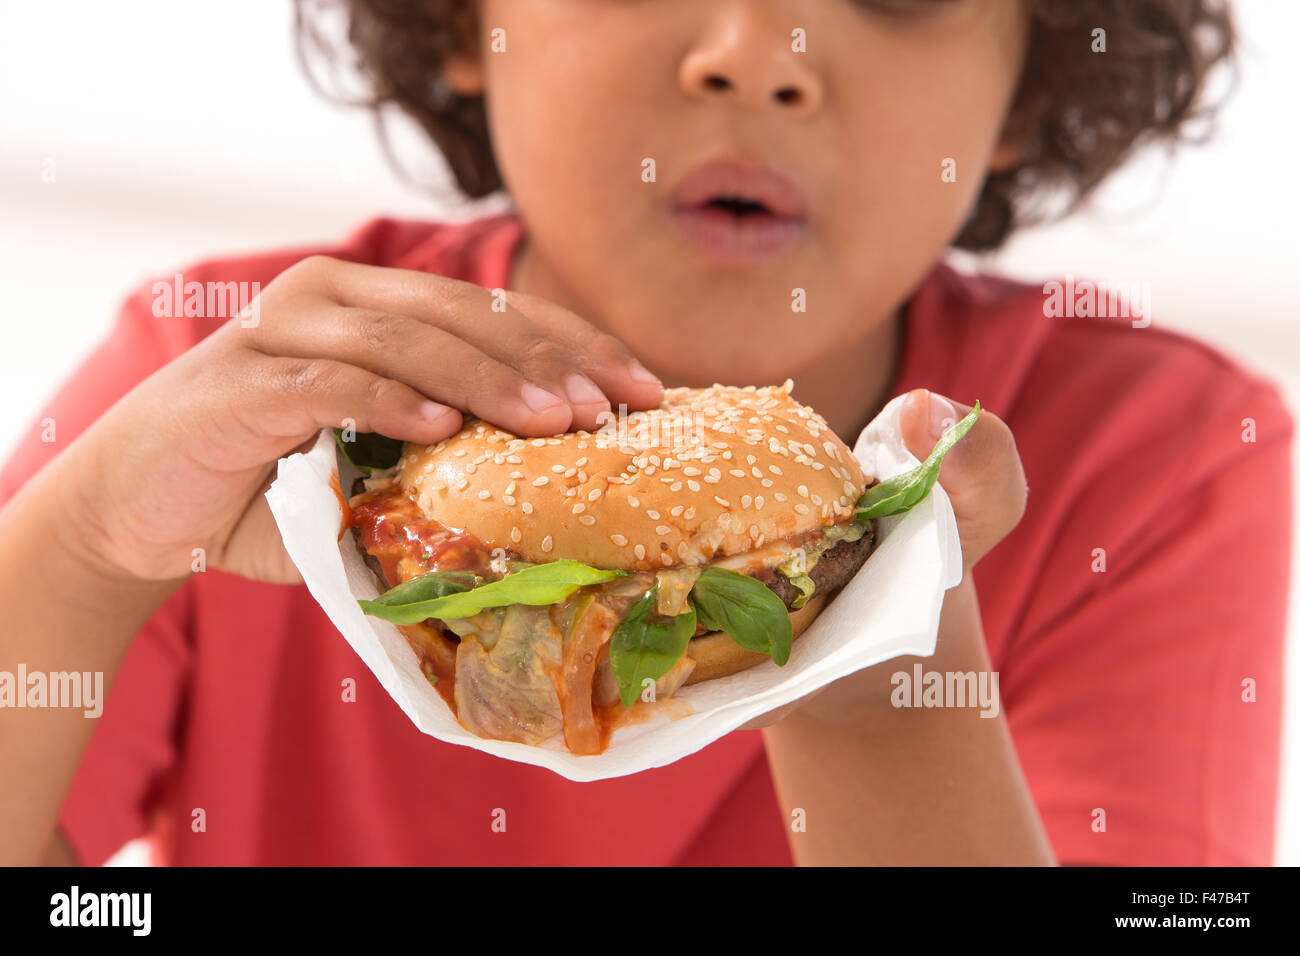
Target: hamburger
{"x": 549, "y": 584}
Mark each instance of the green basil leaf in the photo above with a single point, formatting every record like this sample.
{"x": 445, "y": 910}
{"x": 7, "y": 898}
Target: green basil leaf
{"x": 647, "y": 644}
{"x": 539, "y": 585}
{"x": 369, "y": 451}
{"x": 745, "y": 608}
{"x": 903, "y": 492}
{"x": 426, "y": 587}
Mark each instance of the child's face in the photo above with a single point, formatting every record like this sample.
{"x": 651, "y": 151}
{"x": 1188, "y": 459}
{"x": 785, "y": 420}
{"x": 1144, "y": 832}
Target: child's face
{"x": 887, "y": 91}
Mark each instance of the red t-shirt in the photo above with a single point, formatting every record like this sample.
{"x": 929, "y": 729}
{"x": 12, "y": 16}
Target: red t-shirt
{"x": 1123, "y": 689}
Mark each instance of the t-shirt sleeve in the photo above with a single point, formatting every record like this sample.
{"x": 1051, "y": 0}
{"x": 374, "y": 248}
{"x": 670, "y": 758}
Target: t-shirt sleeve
{"x": 1146, "y": 708}
{"x": 125, "y": 766}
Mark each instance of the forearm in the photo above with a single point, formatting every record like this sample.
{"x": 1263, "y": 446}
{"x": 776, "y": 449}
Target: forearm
{"x": 884, "y": 785}
{"x": 64, "y": 612}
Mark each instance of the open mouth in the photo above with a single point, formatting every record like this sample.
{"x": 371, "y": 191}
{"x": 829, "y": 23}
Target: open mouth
{"x": 739, "y": 206}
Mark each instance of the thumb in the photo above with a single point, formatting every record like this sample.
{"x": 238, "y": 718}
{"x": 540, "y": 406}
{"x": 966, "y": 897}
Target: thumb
{"x": 982, "y": 473}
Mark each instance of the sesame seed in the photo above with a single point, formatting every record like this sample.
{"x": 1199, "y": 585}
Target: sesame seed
{"x": 737, "y": 473}
{"x": 779, "y": 496}
{"x": 803, "y": 491}
{"x": 676, "y": 511}
{"x": 619, "y": 540}
{"x": 663, "y": 529}
{"x": 758, "y": 502}
{"x": 676, "y": 486}
{"x": 516, "y": 535}
{"x": 539, "y": 481}
{"x": 750, "y": 459}
{"x": 690, "y": 513}
{"x": 816, "y": 499}
{"x": 484, "y": 495}
{"x": 588, "y": 520}
{"x": 580, "y": 462}
{"x": 526, "y": 508}
{"x": 639, "y": 551}
{"x": 634, "y": 502}
{"x": 691, "y": 471}
{"x": 579, "y": 508}
{"x": 666, "y": 559}
{"x": 653, "y": 515}
{"x": 516, "y": 474}
{"x": 767, "y": 482}
{"x": 508, "y": 500}
{"x": 722, "y": 501}
{"x": 775, "y": 470}
{"x": 594, "y": 494}
{"x": 693, "y": 485}
{"x": 464, "y": 483}
{"x": 547, "y": 544}
{"x": 801, "y": 508}
{"x": 470, "y": 468}
{"x": 558, "y": 469}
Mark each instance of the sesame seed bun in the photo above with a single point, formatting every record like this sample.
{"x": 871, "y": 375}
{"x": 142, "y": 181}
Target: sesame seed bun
{"x": 712, "y": 473}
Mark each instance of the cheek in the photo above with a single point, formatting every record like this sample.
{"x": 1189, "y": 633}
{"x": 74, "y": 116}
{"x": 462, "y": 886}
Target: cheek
{"x": 918, "y": 150}
{"x": 564, "y": 116}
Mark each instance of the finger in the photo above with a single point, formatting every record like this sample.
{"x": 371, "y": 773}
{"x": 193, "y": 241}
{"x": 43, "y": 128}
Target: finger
{"x": 475, "y": 315}
{"x": 433, "y": 361}
{"x": 982, "y": 473}
{"x": 605, "y": 359}
{"x": 296, "y": 397}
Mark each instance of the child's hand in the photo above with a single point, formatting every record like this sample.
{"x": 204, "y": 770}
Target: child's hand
{"x": 181, "y": 463}
{"x": 982, "y": 473}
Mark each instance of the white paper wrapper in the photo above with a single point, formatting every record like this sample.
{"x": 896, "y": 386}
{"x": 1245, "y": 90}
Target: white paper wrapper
{"x": 890, "y": 608}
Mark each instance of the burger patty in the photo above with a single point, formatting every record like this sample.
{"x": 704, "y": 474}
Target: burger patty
{"x": 831, "y": 572}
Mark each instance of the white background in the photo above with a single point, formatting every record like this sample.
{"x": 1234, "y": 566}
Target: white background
{"x": 179, "y": 131}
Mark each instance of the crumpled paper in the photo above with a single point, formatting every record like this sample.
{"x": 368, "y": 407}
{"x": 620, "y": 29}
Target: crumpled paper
{"x": 890, "y": 608}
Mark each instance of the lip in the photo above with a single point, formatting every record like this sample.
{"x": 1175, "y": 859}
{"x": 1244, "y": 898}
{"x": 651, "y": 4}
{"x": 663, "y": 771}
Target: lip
{"x": 738, "y": 239}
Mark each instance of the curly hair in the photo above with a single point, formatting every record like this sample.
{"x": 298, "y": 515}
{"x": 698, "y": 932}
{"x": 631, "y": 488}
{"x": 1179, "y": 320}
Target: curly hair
{"x": 1076, "y": 115}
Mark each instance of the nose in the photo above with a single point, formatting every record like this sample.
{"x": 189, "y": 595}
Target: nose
{"x": 742, "y": 60}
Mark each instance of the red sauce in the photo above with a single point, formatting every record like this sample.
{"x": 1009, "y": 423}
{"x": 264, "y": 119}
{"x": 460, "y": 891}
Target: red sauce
{"x": 407, "y": 543}
{"x": 343, "y": 505}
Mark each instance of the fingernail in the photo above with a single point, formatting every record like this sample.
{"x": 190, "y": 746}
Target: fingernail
{"x": 639, "y": 373}
{"x": 942, "y": 415}
{"x": 538, "y": 399}
{"x": 432, "y": 411}
{"x": 583, "y": 391}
